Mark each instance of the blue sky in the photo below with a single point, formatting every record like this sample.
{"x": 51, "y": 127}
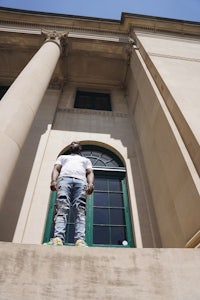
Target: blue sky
{"x": 112, "y": 9}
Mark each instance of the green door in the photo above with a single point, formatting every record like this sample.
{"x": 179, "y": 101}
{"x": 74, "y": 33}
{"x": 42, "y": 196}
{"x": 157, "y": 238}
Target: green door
{"x": 108, "y": 216}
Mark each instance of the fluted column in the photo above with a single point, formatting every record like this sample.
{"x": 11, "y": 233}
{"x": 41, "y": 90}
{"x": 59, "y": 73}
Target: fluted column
{"x": 19, "y": 105}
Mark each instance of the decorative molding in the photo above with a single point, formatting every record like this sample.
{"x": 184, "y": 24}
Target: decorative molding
{"x": 174, "y": 57}
{"x": 31, "y": 22}
{"x": 170, "y": 28}
{"x": 58, "y": 38}
{"x": 92, "y": 112}
{"x": 56, "y": 83}
{"x": 150, "y": 26}
{"x": 166, "y": 35}
{"x": 20, "y": 30}
{"x": 27, "y": 27}
{"x": 53, "y": 35}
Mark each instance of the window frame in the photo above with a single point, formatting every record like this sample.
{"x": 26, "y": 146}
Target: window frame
{"x": 93, "y": 100}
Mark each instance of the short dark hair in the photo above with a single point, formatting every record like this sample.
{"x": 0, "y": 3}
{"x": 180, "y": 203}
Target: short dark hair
{"x": 78, "y": 143}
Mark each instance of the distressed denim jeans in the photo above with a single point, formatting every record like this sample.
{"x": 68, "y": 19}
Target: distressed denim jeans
{"x": 71, "y": 193}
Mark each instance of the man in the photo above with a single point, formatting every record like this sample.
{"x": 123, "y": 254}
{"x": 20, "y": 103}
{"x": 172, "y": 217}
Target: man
{"x": 73, "y": 179}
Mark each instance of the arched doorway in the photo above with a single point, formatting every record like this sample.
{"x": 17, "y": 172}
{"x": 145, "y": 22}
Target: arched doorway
{"x": 108, "y": 221}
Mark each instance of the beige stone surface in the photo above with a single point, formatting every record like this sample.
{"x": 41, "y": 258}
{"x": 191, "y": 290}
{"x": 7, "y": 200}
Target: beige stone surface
{"x": 35, "y": 207}
{"x": 175, "y": 191}
{"x": 20, "y": 104}
{"x": 174, "y": 63}
{"x": 40, "y": 272}
{"x": 14, "y": 197}
{"x": 112, "y": 130}
{"x": 153, "y": 126}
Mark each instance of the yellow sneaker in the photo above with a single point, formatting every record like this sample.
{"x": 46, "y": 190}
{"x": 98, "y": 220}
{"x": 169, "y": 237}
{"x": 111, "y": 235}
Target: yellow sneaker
{"x": 54, "y": 242}
{"x": 81, "y": 243}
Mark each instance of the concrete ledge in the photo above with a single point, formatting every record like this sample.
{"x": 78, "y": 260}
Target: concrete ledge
{"x": 43, "y": 272}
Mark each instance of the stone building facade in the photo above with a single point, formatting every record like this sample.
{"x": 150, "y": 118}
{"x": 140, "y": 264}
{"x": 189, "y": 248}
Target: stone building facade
{"x": 128, "y": 90}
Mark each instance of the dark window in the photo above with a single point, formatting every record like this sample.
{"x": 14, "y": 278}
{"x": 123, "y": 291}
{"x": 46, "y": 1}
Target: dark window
{"x": 3, "y": 90}
{"x": 91, "y": 100}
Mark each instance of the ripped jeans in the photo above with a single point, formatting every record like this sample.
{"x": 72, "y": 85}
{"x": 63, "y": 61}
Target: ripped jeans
{"x": 71, "y": 193}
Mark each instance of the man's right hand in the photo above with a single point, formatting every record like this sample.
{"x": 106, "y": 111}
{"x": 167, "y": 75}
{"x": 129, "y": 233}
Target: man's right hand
{"x": 53, "y": 185}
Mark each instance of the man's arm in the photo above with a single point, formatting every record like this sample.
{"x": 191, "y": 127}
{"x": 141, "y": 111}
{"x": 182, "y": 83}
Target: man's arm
{"x": 90, "y": 181}
{"x": 54, "y": 176}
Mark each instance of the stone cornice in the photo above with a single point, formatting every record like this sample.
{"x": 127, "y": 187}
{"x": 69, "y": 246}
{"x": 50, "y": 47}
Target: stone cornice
{"x": 70, "y": 31}
{"x": 69, "y": 24}
{"x": 32, "y": 22}
{"x": 158, "y": 24}
{"x": 23, "y": 27}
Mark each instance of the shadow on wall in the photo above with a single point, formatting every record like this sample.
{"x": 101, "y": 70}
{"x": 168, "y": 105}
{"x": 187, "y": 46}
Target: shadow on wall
{"x": 13, "y": 200}
{"x": 117, "y": 126}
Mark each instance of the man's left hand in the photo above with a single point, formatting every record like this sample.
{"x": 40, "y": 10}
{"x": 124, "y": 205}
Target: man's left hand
{"x": 90, "y": 189}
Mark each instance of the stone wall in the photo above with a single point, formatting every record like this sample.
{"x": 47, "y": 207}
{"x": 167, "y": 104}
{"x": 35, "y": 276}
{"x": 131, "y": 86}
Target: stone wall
{"x": 42, "y": 272}
{"x": 169, "y": 163}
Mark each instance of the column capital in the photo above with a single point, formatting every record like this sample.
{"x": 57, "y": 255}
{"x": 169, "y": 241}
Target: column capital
{"x": 133, "y": 43}
{"x": 56, "y": 37}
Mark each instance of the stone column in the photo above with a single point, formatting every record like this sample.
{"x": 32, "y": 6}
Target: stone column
{"x": 19, "y": 105}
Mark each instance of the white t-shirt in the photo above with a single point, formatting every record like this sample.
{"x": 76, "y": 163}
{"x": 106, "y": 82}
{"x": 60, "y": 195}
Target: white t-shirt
{"x": 73, "y": 165}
